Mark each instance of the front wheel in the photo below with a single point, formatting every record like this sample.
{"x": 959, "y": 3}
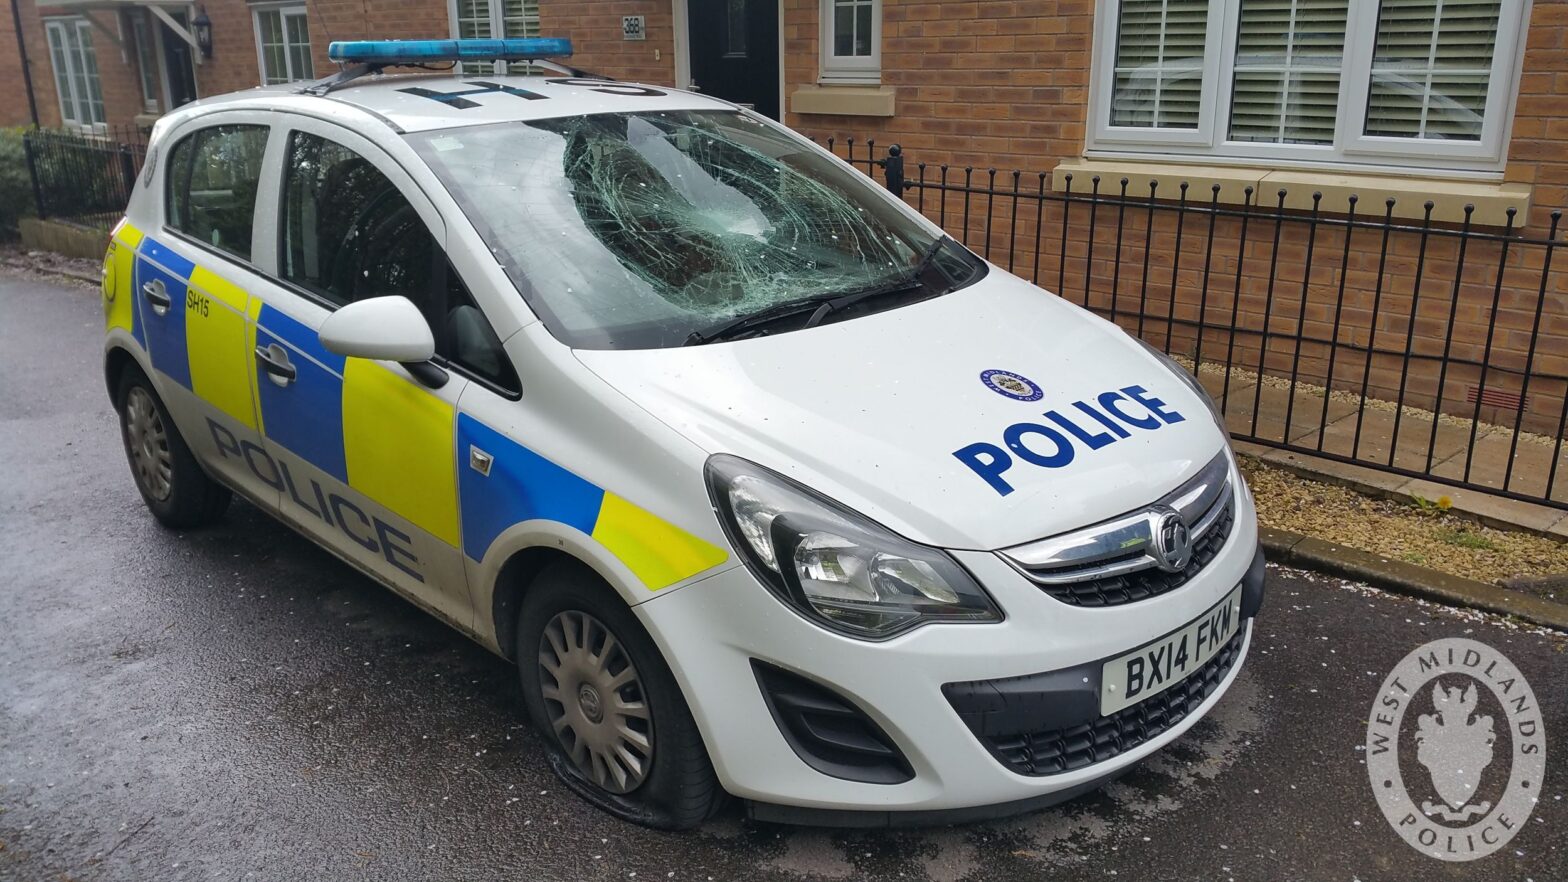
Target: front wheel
{"x": 172, "y": 483}
{"x": 616, "y": 725}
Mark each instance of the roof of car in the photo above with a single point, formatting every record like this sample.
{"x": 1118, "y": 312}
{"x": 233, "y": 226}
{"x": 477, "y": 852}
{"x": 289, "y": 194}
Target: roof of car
{"x": 422, "y": 102}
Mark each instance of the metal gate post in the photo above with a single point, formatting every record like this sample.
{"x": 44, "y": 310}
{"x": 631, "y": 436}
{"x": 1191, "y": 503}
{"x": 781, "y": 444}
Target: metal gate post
{"x": 893, "y": 170}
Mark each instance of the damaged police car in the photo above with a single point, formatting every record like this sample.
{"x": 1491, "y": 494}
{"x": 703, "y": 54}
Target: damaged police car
{"x": 768, "y": 486}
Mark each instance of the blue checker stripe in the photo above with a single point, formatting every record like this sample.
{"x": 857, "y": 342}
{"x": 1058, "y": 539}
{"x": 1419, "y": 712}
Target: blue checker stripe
{"x": 522, "y": 486}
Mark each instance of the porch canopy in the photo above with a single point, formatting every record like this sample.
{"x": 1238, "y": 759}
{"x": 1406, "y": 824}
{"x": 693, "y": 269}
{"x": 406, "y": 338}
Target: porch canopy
{"x": 159, "y": 8}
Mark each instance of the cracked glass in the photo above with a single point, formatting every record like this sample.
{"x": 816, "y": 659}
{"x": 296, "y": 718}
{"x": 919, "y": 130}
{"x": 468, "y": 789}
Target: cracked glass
{"x": 634, "y": 230}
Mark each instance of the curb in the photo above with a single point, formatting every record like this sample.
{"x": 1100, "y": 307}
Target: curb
{"x": 52, "y": 271}
{"x": 1397, "y": 576}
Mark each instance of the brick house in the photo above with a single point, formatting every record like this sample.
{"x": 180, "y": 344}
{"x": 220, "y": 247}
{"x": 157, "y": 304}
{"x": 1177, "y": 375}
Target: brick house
{"x": 1235, "y": 92}
{"x": 1455, "y": 101}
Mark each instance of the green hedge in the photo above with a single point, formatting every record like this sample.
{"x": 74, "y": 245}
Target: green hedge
{"x": 16, "y": 189}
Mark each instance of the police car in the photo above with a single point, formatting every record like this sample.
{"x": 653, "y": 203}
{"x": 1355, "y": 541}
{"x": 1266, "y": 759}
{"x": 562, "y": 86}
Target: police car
{"x": 767, "y": 486}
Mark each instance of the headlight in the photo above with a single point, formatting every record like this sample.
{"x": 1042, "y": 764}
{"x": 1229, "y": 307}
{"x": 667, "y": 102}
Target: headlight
{"x": 838, "y": 568}
{"x": 1187, "y": 377}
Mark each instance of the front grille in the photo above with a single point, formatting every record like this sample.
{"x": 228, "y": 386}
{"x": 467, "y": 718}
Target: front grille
{"x": 1127, "y": 559}
{"x": 1054, "y": 751}
{"x": 1144, "y": 584}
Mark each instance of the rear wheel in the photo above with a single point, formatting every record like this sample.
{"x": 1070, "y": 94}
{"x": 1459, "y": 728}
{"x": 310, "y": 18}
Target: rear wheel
{"x": 177, "y": 492}
{"x": 616, "y": 725}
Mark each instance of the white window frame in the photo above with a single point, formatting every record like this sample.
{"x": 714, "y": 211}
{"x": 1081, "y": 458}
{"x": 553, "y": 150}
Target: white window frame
{"x": 148, "y": 75}
{"x": 284, "y": 11}
{"x": 68, "y": 109}
{"x": 497, "y": 29}
{"x": 1351, "y": 149}
{"x": 863, "y": 69}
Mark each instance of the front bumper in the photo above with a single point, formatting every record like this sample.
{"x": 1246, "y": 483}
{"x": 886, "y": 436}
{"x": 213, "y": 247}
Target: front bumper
{"x": 713, "y": 631}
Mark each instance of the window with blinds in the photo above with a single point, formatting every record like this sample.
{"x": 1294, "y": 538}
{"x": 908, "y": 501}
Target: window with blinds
{"x": 1288, "y": 59}
{"x": 1431, "y": 68}
{"x": 487, "y": 19}
{"x": 1159, "y": 63}
{"x": 1415, "y": 83}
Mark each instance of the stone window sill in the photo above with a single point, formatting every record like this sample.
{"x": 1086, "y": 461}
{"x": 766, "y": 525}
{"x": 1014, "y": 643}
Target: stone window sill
{"x": 843, "y": 100}
{"x": 1491, "y": 199}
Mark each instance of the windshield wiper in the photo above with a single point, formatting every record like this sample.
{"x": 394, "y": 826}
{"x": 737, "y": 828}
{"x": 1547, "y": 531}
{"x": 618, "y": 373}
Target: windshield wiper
{"x": 900, "y": 285}
{"x": 821, "y": 304}
{"x": 751, "y": 320}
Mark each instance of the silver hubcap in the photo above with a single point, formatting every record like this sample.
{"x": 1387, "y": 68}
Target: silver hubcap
{"x": 148, "y": 444}
{"x": 595, "y": 701}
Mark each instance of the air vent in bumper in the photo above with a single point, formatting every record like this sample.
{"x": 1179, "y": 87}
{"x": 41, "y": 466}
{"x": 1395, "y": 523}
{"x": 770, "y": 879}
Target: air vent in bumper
{"x": 829, "y": 732}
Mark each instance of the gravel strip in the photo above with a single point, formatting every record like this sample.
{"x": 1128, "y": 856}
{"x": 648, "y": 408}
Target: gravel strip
{"x": 1402, "y": 531}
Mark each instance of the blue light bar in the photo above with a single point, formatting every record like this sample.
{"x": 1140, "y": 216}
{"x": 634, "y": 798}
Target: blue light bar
{"x": 426, "y": 51}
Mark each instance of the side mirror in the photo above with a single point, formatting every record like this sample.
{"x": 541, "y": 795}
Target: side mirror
{"x": 385, "y": 329}
{"x": 381, "y": 328}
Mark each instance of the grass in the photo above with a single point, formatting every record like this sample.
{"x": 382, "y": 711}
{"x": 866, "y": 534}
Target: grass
{"x": 1424, "y": 532}
{"x": 1464, "y": 539}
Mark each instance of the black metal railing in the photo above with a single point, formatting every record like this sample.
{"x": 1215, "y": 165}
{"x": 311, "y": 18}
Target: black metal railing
{"x": 83, "y": 177}
{"x": 1432, "y": 347}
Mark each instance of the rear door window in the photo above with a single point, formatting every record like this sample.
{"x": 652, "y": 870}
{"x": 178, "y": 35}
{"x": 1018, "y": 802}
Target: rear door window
{"x": 213, "y": 177}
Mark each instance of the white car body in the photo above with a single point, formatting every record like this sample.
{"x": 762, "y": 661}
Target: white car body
{"x": 867, "y": 412}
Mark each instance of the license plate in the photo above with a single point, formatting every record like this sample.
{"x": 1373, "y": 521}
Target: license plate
{"x": 1156, "y": 667}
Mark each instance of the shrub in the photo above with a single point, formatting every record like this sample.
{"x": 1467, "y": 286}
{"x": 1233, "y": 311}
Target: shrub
{"x": 16, "y": 188}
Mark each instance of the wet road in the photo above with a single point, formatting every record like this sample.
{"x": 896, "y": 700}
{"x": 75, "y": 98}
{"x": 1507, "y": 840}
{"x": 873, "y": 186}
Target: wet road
{"x": 235, "y": 704}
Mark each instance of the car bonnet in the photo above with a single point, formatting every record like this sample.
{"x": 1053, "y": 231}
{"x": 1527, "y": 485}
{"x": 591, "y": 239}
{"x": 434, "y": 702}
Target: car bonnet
{"x": 991, "y": 416}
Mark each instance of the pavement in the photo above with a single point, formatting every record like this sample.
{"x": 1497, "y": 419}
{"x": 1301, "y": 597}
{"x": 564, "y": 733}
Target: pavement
{"x": 1493, "y": 460}
{"x": 235, "y": 704}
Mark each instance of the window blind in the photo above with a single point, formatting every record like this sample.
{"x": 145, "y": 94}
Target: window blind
{"x": 1288, "y": 59}
{"x": 1431, "y": 68}
{"x": 485, "y": 19}
{"x": 1159, "y": 63}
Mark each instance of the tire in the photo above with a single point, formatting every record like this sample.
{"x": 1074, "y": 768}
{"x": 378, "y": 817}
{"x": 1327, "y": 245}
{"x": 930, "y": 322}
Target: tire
{"x": 564, "y": 618}
{"x": 174, "y": 486}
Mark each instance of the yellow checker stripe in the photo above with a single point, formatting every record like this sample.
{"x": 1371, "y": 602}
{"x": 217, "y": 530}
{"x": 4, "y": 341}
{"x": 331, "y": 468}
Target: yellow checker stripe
{"x": 398, "y": 444}
{"x": 656, "y": 551}
{"x": 252, "y": 315}
{"x": 215, "y": 338}
{"x": 120, "y": 278}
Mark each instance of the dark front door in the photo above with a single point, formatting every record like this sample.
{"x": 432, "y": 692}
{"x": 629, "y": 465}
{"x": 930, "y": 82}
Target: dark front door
{"x": 735, "y": 51}
{"x": 178, "y": 63}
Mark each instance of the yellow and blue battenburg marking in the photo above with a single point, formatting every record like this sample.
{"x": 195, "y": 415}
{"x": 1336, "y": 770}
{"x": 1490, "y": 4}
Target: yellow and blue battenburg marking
{"x": 370, "y": 428}
{"x": 524, "y": 486}
{"x": 119, "y": 281}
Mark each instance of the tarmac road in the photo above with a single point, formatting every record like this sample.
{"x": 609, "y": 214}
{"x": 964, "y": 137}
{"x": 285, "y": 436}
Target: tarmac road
{"x": 236, "y": 704}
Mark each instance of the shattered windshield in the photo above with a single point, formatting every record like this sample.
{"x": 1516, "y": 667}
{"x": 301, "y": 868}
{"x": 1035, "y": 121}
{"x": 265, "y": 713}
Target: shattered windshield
{"x": 635, "y": 230}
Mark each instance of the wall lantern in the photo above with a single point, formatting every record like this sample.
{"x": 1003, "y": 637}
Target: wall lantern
{"x": 203, "y": 31}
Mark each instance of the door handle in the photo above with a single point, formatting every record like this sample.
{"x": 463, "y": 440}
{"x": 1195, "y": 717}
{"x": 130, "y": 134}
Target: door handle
{"x": 275, "y": 361}
{"x": 157, "y": 296}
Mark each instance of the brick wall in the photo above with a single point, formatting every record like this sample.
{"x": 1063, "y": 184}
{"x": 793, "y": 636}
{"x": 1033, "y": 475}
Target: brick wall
{"x": 1000, "y": 84}
{"x": 1538, "y": 153}
{"x": 13, "y": 99}
{"x": 595, "y": 29}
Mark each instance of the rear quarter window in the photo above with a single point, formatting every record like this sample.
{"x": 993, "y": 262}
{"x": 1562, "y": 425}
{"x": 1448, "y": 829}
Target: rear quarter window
{"x": 213, "y": 175}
